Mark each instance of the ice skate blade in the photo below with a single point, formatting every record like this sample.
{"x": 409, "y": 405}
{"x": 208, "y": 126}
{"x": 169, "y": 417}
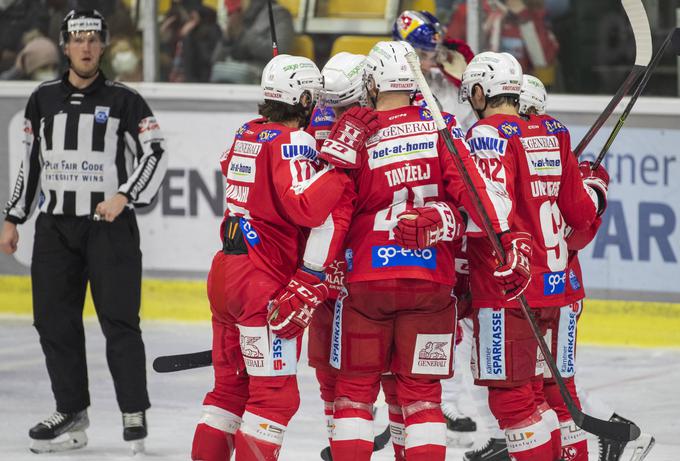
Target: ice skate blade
{"x": 137, "y": 447}
{"x": 65, "y": 442}
{"x": 641, "y": 447}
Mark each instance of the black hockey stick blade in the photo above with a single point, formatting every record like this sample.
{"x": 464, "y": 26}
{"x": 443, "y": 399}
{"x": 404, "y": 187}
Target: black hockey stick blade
{"x": 614, "y": 430}
{"x": 179, "y": 362}
{"x": 381, "y": 439}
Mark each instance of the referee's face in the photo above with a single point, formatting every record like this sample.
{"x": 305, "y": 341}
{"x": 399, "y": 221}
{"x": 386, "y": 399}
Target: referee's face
{"x": 84, "y": 50}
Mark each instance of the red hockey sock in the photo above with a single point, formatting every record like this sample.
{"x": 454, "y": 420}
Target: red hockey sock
{"x": 353, "y": 431}
{"x": 574, "y": 442}
{"x": 552, "y": 424}
{"x": 258, "y": 439}
{"x": 425, "y": 432}
{"x": 214, "y": 436}
{"x": 529, "y": 440}
{"x": 397, "y": 432}
{"x": 328, "y": 416}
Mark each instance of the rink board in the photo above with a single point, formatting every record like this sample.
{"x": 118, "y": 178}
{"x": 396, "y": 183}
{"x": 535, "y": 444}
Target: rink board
{"x": 634, "y": 256}
{"x": 603, "y": 322}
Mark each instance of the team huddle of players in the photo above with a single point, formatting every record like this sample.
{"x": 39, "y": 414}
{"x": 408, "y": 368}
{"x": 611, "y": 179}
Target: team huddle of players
{"x": 347, "y": 214}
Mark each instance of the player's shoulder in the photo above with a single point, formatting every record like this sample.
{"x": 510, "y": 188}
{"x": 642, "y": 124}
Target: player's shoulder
{"x": 551, "y": 124}
{"x": 296, "y": 145}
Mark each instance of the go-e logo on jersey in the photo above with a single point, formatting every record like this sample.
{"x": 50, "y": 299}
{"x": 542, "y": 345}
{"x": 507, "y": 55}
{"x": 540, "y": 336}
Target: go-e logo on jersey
{"x": 396, "y": 256}
{"x": 554, "y": 283}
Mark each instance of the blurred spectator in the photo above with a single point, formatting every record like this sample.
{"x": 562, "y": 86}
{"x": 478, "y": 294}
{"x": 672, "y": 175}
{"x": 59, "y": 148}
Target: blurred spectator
{"x": 125, "y": 61}
{"x": 169, "y": 32}
{"x": 38, "y": 60}
{"x": 193, "y": 29}
{"x": 517, "y": 27}
{"x": 17, "y": 18}
{"x": 248, "y": 46}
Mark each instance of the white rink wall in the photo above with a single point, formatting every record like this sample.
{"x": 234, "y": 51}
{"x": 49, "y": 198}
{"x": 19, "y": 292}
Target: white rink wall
{"x": 635, "y": 255}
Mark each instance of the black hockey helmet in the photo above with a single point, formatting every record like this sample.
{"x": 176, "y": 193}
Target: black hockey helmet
{"x": 83, "y": 20}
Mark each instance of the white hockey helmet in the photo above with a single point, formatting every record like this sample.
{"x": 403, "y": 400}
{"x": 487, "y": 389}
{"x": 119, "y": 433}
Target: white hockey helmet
{"x": 343, "y": 79}
{"x": 386, "y": 64}
{"x": 496, "y": 73}
{"x": 285, "y": 78}
{"x": 532, "y": 95}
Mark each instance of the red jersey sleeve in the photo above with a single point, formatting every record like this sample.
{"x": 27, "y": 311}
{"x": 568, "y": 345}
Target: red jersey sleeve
{"x": 307, "y": 188}
{"x": 326, "y": 241}
{"x": 575, "y": 203}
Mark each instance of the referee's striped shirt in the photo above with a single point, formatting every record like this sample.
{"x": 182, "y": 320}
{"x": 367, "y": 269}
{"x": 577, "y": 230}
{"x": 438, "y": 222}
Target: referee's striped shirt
{"x": 84, "y": 146}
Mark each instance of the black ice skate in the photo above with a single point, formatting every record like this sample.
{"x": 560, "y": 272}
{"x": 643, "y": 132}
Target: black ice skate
{"x": 493, "y": 450}
{"x": 134, "y": 430}
{"x": 458, "y": 427}
{"x": 611, "y": 450}
{"x": 59, "y": 432}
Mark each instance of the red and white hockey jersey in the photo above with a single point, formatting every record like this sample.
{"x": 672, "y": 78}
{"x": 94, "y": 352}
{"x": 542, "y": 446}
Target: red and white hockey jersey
{"x": 278, "y": 187}
{"x": 535, "y": 174}
{"x": 406, "y": 165}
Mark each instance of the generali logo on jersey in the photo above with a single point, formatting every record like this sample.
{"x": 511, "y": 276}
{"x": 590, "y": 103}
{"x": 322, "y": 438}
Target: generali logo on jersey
{"x": 432, "y": 354}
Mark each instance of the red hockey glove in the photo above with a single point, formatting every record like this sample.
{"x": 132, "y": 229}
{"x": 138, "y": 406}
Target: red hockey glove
{"x": 598, "y": 181}
{"x": 428, "y": 225}
{"x": 291, "y": 310}
{"x": 578, "y": 240}
{"x": 348, "y": 135}
{"x": 514, "y": 276}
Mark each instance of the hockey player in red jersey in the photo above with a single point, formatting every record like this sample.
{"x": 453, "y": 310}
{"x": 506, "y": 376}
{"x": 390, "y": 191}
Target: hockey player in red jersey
{"x": 343, "y": 88}
{"x": 397, "y": 313}
{"x": 563, "y": 326}
{"x": 276, "y": 188}
{"x": 538, "y": 179}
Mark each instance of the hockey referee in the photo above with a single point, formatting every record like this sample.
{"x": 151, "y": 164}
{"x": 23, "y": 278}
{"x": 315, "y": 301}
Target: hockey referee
{"x": 94, "y": 151}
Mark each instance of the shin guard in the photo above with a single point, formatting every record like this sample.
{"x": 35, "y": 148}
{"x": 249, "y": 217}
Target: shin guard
{"x": 425, "y": 432}
{"x": 552, "y": 424}
{"x": 574, "y": 442}
{"x": 529, "y": 440}
{"x": 214, "y": 436}
{"x": 352, "y": 430}
{"x": 258, "y": 439}
{"x": 397, "y": 432}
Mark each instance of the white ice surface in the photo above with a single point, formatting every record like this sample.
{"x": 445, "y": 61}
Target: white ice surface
{"x": 640, "y": 384}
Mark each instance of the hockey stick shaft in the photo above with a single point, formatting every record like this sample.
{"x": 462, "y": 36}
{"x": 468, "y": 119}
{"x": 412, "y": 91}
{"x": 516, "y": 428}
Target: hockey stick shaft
{"x": 637, "y": 17}
{"x": 672, "y": 37}
{"x": 275, "y": 46}
{"x": 612, "y": 430}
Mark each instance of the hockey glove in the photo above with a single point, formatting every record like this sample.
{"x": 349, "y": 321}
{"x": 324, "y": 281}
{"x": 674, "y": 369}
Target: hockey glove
{"x": 291, "y": 310}
{"x": 348, "y": 135}
{"x": 596, "y": 180}
{"x": 514, "y": 276}
{"x": 426, "y": 226}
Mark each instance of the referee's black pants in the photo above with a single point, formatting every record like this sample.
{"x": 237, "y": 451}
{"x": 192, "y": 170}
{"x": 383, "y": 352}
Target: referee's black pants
{"x": 67, "y": 252}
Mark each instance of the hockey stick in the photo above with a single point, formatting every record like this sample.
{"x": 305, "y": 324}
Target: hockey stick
{"x": 674, "y": 38}
{"x": 642, "y": 33}
{"x": 609, "y": 429}
{"x": 275, "y": 46}
{"x": 179, "y": 362}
